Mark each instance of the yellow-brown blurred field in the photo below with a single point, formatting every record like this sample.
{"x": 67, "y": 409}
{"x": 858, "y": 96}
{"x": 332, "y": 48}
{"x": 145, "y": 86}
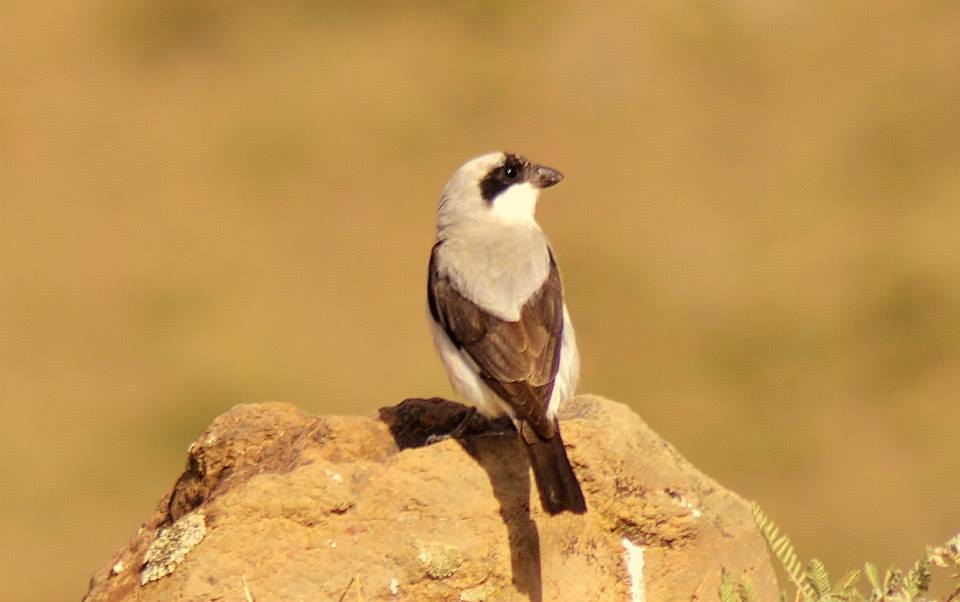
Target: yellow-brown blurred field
{"x": 205, "y": 202}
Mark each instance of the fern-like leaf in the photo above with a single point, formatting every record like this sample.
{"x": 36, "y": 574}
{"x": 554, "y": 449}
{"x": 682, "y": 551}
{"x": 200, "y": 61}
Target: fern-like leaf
{"x": 782, "y": 548}
{"x": 727, "y": 589}
{"x": 870, "y": 570}
{"x": 735, "y": 591}
{"x": 746, "y": 591}
{"x": 892, "y": 581}
{"x": 818, "y": 579}
{"x": 918, "y": 579}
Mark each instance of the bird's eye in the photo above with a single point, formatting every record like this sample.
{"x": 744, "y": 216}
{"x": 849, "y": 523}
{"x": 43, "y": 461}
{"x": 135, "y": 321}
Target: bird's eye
{"x": 511, "y": 172}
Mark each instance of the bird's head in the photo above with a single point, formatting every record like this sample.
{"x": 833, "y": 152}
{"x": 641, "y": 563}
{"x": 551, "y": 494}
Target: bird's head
{"x": 495, "y": 187}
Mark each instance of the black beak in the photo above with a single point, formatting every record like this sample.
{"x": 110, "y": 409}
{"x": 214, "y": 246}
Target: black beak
{"x": 545, "y": 177}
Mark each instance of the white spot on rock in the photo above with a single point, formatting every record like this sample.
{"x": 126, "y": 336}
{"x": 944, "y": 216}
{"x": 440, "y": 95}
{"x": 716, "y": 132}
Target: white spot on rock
{"x": 633, "y": 557}
{"x": 394, "y": 587}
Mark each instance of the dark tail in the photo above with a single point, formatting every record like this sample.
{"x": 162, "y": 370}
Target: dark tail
{"x": 558, "y": 486}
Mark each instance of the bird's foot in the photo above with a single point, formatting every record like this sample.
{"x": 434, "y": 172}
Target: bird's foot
{"x": 498, "y": 427}
{"x": 461, "y": 429}
{"x": 474, "y": 424}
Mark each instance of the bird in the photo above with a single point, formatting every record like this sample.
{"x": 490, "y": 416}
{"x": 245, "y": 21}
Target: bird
{"x": 497, "y": 314}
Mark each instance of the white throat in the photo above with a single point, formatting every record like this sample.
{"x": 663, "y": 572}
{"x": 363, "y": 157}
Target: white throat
{"x": 517, "y": 204}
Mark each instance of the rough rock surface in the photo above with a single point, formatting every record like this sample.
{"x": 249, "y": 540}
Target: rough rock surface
{"x": 280, "y": 505}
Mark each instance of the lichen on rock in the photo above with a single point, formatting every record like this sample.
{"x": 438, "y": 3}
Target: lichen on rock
{"x": 439, "y": 560}
{"x": 171, "y": 546}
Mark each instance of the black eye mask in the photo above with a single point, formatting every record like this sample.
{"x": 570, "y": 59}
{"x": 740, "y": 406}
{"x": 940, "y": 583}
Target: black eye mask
{"x": 513, "y": 170}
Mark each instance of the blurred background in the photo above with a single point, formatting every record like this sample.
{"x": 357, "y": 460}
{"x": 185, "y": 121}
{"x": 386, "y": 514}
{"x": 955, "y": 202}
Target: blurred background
{"x": 205, "y": 202}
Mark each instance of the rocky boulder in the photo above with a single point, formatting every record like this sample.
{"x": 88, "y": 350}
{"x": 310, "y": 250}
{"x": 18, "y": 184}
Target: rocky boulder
{"x": 278, "y": 505}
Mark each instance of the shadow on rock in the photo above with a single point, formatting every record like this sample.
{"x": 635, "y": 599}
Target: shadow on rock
{"x": 496, "y": 448}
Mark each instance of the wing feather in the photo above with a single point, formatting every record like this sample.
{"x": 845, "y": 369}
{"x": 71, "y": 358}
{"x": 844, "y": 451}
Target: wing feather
{"x": 517, "y": 360}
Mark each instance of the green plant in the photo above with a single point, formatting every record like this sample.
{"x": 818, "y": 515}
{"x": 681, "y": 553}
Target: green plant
{"x": 811, "y": 583}
{"x": 736, "y": 591}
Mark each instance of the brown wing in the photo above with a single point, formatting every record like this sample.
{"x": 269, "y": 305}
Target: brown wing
{"x": 517, "y": 360}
